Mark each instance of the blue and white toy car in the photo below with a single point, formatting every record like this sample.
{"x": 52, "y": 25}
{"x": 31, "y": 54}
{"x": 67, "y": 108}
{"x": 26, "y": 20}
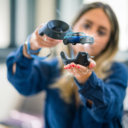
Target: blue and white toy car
{"x": 77, "y": 37}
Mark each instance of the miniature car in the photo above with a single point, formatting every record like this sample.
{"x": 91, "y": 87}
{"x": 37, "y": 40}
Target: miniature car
{"x": 77, "y": 37}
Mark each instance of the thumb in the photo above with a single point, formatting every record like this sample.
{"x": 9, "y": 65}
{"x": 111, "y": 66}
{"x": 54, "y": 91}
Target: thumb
{"x": 92, "y": 64}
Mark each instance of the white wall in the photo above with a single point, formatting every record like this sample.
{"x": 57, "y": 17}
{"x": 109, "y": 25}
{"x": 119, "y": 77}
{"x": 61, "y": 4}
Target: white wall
{"x": 9, "y": 98}
{"x": 4, "y": 23}
{"x": 68, "y": 9}
{"x": 45, "y": 11}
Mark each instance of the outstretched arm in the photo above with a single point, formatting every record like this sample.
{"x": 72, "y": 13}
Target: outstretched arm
{"x": 31, "y": 76}
{"x": 104, "y": 98}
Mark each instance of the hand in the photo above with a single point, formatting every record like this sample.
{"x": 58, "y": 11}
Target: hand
{"x": 81, "y": 73}
{"x": 38, "y": 41}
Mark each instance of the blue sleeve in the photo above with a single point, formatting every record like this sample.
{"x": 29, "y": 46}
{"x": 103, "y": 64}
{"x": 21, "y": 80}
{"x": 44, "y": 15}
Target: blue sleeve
{"x": 31, "y": 76}
{"x": 107, "y": 96}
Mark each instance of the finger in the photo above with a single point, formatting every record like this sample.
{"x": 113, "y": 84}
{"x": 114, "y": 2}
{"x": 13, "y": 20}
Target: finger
{"x": 47, "y": 41}
{"x": 76, "y": 71}
{"x": 48, "y": 38}
{"x": 35, "y": 36}
{"x": 73, "y": 69}
{"x": 36, "y": 32}
{"x": 42, "y": 42}
{"x": 52, "y": 42}
{"x": 69, "y": 66}
{"x": 92, "y": 64}
{"x": 82, "y": 69}
{"x": 52, "y": 39}
{"x": 38, "y": 28}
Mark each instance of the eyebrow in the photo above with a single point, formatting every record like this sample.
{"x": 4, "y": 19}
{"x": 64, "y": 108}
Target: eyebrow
{"x": 89, "y": 21}
{"x": 102, "y": 27}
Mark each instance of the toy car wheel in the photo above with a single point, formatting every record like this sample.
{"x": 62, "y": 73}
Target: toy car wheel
{"x": 74, "y": 43}
{"x": 65, "y": 41}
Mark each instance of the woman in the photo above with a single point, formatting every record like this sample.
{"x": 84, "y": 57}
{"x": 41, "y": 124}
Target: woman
{"x": 92, "y": 97}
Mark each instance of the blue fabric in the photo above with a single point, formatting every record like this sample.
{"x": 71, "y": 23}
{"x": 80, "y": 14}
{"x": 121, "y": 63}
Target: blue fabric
{"x": 32, "y": 77}
{"x": 33, "y": 52}
{"x": 29, "y": 51}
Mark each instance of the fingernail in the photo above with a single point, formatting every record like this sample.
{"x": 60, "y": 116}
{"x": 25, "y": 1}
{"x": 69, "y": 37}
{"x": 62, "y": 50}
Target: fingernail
{"x": 73, "y": 65}
{"x": 78, "y": 66}
{"x": 65, "y": 67}
{"x": 92, "y": 65}
{"x": 70, "y": 66}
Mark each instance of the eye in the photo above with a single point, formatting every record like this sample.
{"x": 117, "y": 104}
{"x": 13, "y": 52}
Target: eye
{"x": 87, "y": 26}
{"x": 101, "y": 33}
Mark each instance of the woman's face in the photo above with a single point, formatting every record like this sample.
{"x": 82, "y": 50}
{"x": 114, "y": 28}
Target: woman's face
{"x": 94, "y": 23}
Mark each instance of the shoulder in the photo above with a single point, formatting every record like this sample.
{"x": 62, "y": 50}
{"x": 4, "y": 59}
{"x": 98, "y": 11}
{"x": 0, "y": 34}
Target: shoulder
{"x": 119, "y": 71}
{"x": 119, "y": 66}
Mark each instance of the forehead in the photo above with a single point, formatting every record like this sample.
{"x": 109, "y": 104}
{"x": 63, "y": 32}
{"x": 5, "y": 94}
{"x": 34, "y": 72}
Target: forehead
{"x": 97, "y": 16}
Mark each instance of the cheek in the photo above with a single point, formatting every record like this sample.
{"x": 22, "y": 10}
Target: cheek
{"x": 99, "y": 45}
{"x": 77, "y": 27}
{"x": 103, "y": 42}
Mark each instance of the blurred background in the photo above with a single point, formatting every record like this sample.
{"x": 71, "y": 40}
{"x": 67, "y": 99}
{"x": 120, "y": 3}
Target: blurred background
{"x": 18, "y": 18}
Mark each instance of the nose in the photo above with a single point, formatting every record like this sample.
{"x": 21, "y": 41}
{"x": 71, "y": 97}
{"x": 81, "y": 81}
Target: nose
{"x": 90, "y": 32}
{"x": 93, "y": 34}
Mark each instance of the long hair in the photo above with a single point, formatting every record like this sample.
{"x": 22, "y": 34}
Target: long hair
{"x": 103, "y": 60}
